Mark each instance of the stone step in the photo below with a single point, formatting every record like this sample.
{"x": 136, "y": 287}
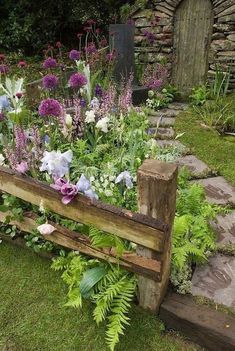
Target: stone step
{"x": 218, "y": 191}
{"x": 196, "y": 167}
{"x": 216, "y": 280}
{"x": 178, "y": 106}
{"x": 161, "y": 121}
{"x": 162, "y": 133}
{"x": 165, "y": 112}
{"x": 224, "y": 227}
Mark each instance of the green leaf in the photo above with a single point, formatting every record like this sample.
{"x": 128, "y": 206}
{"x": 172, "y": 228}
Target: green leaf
{"x": 3, "y": 208}
{"x": 90, "y": 278}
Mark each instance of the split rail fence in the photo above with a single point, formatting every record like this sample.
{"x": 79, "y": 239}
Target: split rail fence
{"x": 150, "y": 228}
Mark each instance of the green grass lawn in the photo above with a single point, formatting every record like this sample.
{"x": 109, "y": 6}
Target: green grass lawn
{"x": 217, "y": 151}
{"x": 32, "y": 316}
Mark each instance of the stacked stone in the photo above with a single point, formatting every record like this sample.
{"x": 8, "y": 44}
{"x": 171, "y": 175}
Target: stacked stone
{"x": 158, "y": 18}
{"x": 222, "y": 50}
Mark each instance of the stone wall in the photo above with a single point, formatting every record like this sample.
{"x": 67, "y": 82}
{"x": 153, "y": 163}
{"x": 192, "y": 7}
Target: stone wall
{"x": 158, "y": 18}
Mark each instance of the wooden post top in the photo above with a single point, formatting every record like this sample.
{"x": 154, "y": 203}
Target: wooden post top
{"x": 157, "y": 169}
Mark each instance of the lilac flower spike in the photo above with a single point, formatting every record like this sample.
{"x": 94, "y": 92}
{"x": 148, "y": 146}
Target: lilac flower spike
{"x": 126, "y": 178}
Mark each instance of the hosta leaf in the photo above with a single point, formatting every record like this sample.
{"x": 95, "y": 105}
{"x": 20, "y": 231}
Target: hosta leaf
{"x": 90, "y": 278}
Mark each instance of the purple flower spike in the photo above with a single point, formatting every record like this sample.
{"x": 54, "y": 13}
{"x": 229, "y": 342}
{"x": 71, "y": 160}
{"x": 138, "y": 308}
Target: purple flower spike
{"x": 77, "y": 80}
{"x": 4, "y": 69}
{"x": 50, "y": 62}
{"x": 74, "y": 55}
{"x": 50, "y": 81}
{"x": 50, "y": 107}
{"x": 98, "y": 91}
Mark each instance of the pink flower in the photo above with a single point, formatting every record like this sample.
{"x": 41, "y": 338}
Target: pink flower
{"x": 2, "y": 57}
{"x": 22, "y": 167}
{"x": 46, "y": 229}
{"x": 22, "y": 64}
{"x": 19, "y": 95}
{"x": 68, "y": 190}
{"x": 58, "y": 44}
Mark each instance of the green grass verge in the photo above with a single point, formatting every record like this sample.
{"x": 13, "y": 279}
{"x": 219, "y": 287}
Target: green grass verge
{"x": 32, "y": 316}
{"x": 217, "y": 151}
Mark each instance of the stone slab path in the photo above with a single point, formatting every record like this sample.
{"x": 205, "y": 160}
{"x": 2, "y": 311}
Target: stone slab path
{"x": 215, "y": 280}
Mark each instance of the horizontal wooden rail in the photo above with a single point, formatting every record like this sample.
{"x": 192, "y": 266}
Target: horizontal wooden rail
{"x": 73, "y": 240}
{"x": 140, "y": 229}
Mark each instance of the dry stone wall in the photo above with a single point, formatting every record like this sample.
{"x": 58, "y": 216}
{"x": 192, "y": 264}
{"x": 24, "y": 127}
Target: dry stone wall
{"x": 158, "y": 18}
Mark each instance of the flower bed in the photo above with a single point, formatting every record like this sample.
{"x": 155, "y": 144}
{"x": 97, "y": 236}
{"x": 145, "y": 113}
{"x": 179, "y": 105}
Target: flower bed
{"x": 83, "y": 164}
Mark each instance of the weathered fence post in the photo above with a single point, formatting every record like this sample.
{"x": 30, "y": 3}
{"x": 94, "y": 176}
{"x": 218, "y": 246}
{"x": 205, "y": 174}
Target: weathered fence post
{"x": 157, "y": 186}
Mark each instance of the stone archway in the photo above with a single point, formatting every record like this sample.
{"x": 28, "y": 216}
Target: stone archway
{"x": 193, "y": 27}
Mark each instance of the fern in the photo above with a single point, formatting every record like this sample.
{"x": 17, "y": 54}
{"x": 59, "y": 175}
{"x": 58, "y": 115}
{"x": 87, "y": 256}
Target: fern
{"x": 101, "y": 239}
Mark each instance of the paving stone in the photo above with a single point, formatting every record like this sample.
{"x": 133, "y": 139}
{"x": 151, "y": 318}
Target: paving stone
{"x": 178, "y": 106}
{"x": 165, "y": 112}
{"x": 161, "y": 121}
{"x": 197, "y": 168}
{"x": 162, "y": 133}
{"x": 218, "y": 191}
{"x": 224, "y": 227}
{"x": 216, "y": 280}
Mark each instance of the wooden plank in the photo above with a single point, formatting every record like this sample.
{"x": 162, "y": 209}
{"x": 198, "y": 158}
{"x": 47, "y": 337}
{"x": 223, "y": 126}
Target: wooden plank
{"x": 157, "y": 185}
{"x": 193, "y": 27}
{"x": 79, "y": 242}
{"x": 134, "y": 227}
{"x": 207, "y": 327}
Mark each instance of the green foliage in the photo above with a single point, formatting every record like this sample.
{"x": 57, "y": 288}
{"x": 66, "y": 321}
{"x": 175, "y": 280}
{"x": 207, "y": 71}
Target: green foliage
{"x": 37, "y": 243}
{"x": 199, "y": 95}
{"x": 100, "y": 239}
{"x": 193, "y": 239}
{"x": 110, "y": 288}
{"x": 159, "y": 100}
{"x": 221, "y": 82}
{"x": 31, "y": 25}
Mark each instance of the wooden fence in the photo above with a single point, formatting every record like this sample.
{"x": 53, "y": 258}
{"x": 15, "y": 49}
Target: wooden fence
{"x": 150, "y": 229}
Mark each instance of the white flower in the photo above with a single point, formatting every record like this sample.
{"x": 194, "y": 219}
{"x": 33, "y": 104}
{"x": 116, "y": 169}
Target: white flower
{"x": 102, "y": 124}
{"x": 68, "y": 120}
{"x": 2, "y": 159}
{"x": 90, "y": 116}
{"x": 108, "y": 192}
{"x": 126, "y": 178}
{"x": 46, "y": 229}
{"x": 56, "y": 163}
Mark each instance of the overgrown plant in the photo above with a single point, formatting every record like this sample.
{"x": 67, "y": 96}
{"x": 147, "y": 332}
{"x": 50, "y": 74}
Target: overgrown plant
{"x": 110, "y": 288}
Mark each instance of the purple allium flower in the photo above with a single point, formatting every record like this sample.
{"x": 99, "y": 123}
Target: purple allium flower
{"x": 98, "y": 90}
{"x": 2, "y": 117}
{"x": 4, "y": 69}
{"x": 74, "y": 55}
{"x": 22, "y": 167}
{"x": 77, "y": 80}
{"x": 50, "y": 81}
{"x": 50, "y": 62}
{"x": 91, "y": 49}
{"x": 50, "y": 107}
